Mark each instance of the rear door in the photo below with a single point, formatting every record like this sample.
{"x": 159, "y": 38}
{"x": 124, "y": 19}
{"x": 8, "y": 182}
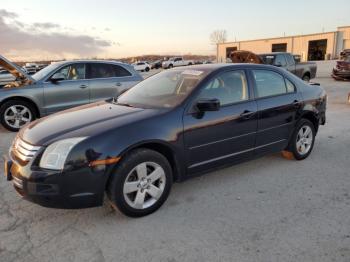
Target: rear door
{"x": 70, "y": 92}
{"x": 108, "y": 80}
{"x": 278, "y": 102}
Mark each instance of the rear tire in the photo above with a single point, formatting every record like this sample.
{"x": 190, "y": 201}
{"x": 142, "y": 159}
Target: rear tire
{"x": 14, "y": 114}
{"x": 170, "y": 66}
{"x": 302, "y": 140}
{"x": 141, "y": 183}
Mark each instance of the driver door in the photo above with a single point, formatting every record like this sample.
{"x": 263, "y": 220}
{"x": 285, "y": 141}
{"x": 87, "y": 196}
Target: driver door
{"x": 225, "y": 136}
{"x": 70, "y": 92}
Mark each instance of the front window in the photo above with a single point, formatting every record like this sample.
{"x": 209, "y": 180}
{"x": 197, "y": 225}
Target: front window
{"x": 73, "y": 72}
{"x": 229, "y": 87}
{"x": 280, "y": 60}
{"x": 164, "y": 90}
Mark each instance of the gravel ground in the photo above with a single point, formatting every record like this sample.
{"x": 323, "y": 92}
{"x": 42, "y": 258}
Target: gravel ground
{"x": 270, "y": 209}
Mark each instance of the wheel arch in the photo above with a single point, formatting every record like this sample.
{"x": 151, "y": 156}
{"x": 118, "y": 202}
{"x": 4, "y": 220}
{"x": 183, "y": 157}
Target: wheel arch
{"x": 164, "y": 149}
{"x": 311, "y": 116}
{"x": 22, "y": 98}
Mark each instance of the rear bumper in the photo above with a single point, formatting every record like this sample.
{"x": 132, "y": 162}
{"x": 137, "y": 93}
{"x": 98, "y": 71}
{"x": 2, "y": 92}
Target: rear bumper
{"x": 53, "y": 189}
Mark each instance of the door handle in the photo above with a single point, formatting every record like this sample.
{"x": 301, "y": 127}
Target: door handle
{"x": 247, "y": 114}
{"x": 83, "y": 86}
{"x": 118, "y": 84}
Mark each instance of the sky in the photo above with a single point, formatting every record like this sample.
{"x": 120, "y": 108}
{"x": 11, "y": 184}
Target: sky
{"x": 39, "y": 29}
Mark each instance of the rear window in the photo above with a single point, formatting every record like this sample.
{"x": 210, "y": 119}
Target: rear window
{"x": 268, "y": 59}
{"x": 269, "y": 83}
{"x": 99, "y": 70}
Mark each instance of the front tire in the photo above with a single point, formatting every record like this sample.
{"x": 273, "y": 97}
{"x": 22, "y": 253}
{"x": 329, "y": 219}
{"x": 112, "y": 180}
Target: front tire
{"x": 147, "y": 69}
{"x": 141, "y": 183}
{"x": 14, "y": 114}
{"x": 303, "y": 139}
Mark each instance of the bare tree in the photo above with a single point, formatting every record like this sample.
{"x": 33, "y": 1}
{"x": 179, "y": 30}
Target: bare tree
{"x": 218, "y": 37}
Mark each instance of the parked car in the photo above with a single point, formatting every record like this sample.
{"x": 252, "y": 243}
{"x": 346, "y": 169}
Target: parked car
{"x": 156, "y": 64}
{"x": 176, "y": 61}
{"x": 5, "y": 77}
{"x": 60, "y": 86}
{"x": 241, "y": 56}
{"x": 142, "y": 66}
{"x": 32, "y": 68}
{"x": 342, "y": 68}
{"x": 172, "y": 126}
{"x": 304, "y": 70}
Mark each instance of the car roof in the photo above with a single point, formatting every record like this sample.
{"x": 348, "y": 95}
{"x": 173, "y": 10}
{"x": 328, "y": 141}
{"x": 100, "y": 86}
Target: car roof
{"x": 214, "y": 67}
{"x": 91, "y": 61}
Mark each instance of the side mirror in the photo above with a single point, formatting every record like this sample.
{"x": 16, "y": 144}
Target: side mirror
{"x": 57, "y": 77}
{"x": 208, "y": 105}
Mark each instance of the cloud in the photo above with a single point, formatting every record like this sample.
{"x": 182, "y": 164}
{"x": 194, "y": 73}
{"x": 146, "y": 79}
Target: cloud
{"x": 4, "y": 13}
{"x": 17, "y": 38}
{"x": 46, "y": 25}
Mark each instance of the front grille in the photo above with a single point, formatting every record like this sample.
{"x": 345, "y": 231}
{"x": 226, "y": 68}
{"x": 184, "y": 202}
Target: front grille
{"x": 24, "y": 151}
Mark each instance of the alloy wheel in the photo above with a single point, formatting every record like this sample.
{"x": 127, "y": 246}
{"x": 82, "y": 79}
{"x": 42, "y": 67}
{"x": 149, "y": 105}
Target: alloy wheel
{"x": 144, "y": 185}
{"x": 17, "y": 116}
{"x": 304, "y": 140}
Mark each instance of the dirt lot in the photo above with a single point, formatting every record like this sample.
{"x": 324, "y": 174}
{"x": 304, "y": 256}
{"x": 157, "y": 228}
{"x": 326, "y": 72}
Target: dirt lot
{"x": 270, "y": 209}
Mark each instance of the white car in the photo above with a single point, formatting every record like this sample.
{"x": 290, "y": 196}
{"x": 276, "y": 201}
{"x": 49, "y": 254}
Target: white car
{"x": 142, "y": 66}
{"x": 177, "y": 61}
{"x": 6, "y": 77}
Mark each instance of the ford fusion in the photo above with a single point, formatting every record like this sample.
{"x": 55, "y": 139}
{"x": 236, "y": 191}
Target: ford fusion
{"x": 174, "y": 125}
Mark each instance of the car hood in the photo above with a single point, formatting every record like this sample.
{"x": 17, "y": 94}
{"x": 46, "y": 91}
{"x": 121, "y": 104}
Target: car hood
{"x": 83, "y": 121}
{"x": 16, "y": 71}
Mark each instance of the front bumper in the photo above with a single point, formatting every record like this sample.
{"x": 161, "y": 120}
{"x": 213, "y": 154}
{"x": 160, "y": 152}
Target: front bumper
{"x": 341, "y": 74}
{"x": 80, "y": 188}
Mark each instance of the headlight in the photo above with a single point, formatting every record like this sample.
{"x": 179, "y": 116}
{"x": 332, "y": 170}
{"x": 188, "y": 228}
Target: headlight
{"x": 55, "y": 154}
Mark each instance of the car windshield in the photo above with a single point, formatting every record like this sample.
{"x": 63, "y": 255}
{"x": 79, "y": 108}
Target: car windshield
{"x": 268, "y": 59}
{"x": 44, "y": 72}
{"x": 164, "y": 90}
